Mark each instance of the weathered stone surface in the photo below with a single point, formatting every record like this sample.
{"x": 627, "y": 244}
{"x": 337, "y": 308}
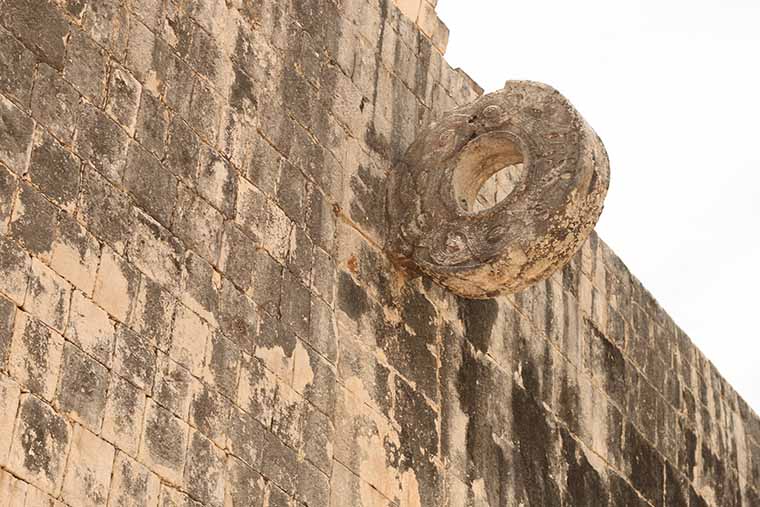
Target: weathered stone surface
{"x": 116, "y": 286}
{"x": 82, "y": 388}
{"x": 35, "y": 355}
{"x": 75, "y": 254}
{"x": 88, "y": 472}
{"x": 163, "y": 443}
{"x": 41, "y": 441}
{"x": 39, "y": 25}
{"x": 101, "y": 142}
{"x": 15, "y": 136}
{"x": 86, "y": 66}
{"x": 133, "y": 485}
{"x": 105, "y": 210}
{"x": 16, "y": 68}
{"x": 563, "y": 174}
{"x": 33, "y": 221}
{"x": 122, "y": 424}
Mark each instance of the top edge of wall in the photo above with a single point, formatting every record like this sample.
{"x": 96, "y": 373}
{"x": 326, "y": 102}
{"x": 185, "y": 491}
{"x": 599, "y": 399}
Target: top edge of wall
{"x": 424, "y": 15}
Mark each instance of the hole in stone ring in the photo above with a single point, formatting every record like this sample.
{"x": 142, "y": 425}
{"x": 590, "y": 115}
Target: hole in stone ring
{"x": 488, "y": 170}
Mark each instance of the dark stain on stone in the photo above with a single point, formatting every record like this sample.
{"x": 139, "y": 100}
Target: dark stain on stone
{"x": 485, "y": 459}
{"x": 44, "y": 439}
{"x": 532, "y": 438}
{"x": 352, "y": 299}
{"x": 584, "y": 484}
{"x": 479, "y": 317}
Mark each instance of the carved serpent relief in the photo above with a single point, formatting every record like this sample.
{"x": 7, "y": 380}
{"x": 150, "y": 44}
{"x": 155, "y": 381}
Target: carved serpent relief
{"x": 560, "y": 178}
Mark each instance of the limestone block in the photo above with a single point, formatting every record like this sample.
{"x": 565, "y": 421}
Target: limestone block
{"x": 75, "y": 254}
{"x": 41, "y": 440}
{"x": 33, "y": 222}
{"x": 164, "y": 443}
{"x": 40, "y": 25}
{"x": 105, "y": 210}
{"x": 86, "y": 66}
{"x": 88, "y": 472}
{"x": 90, "y": 328}
{"x": 10, "y": 394}
{"x": 35, "y": 355}
{"x": 116, "y": 285}
{"x": 134, "y": 358}
{"x": 16, "y": 68}
{"x": 122, "y": 423}
{"x": 15, "y": 266}
{"x": 101, "y": 142}
{"x": 15, "y": 136}
{"x": 54, "y": 170}
{"x": 205, "y": 471}
{"x": 190, "y": 335}
{"x": 174, "y": 386}
{"x": 154, "y": 188}
{"x": 123, "y": 98}
{"x": 152, "y": 314}
{"x": 133, "y": 485}
{"x": 82, "y": 388}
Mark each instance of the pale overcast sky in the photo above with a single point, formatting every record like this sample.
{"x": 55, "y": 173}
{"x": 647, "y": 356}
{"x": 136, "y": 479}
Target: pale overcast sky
{"x": 673, "y": 89}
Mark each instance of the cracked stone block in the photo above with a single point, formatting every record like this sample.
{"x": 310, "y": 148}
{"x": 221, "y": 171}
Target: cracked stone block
{"x": 237, "y": 256}
{"x": 107, "y": 22}
{"x": 190, "y": 335}
{"x": 182, "y": 151}
{"x": 7, "y": 320}
{"x": 154, "y": 188}
{"x": 173, "y": 386}
{"x": 237, "y": 317}
{"x": 102, "y": 142}
{"x": 86, "y": 66}
{"x": 16, "y": 69}
{"x": 48, "y": 297}
{"x": 171, "y": 497}
{"x": 133, "y": 485}
{"x": 217, "y": 181}
{"x": 10, "y": 394}
{"x": 13, "y": 491}
{"x": 8, "y": 188}
{"x": 55, "y": 104}
{"x": 201, "y": 288}
{"x": 152, "y": 125}
{"x": 246, "y": 437}
{"x": 156, "y": 252}
{"x": 122, "y": 423}
{"x": 41, "y": 440}
{"x": 105, "y": 210}
{"x": 204, "y": 471}
{"x": 123, "y": 98}
{"x": 88, "y": 472}
{"x": 82, "y": 388}
{"x": 198, "y": 224}
{"x": 257, "y": 390}
{"x": 164, "y": 442}
{"x": 40, "y": 26}
{"x": 54, "y": 170}
{"x": 116, "y": 285}
{"x": 90, "y": 328}
{"x": 16, "y": 129}
{"x": 15, "y": 265}
{"x": 153, "y": 313}
{"x": 209, "y": 413}
{"x": 35, "y": 356}
{"x": 33, "y": 221}
{"x": 246, "y": 485}
{"x": 75, "y": 254}
{"x": 222, "y": 364}
{"x": 134, "y": 358}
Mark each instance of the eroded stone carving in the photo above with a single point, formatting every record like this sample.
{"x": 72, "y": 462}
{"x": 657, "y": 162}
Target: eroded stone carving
{"x": 560, "y": 176}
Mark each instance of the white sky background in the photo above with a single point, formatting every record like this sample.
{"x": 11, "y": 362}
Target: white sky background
{"x": 673, "y": 89}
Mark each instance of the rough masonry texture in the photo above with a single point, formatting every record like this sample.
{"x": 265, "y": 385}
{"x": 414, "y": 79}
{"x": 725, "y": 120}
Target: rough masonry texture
{"x": 561, "y": 174}
{"x": 196, "y": 306}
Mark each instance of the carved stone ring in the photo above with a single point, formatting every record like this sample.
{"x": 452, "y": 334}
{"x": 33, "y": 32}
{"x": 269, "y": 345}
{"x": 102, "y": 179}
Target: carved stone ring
{"x": 559, "y": 175}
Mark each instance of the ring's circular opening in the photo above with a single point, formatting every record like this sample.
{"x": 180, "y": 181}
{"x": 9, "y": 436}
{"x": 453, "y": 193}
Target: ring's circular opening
{"x": 488, "y": 169}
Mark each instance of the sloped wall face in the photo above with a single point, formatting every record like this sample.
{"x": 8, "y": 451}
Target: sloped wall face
{"x": 195, "y": 308}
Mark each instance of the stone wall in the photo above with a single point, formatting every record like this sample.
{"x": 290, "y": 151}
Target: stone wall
{"x": 195, "y": 308}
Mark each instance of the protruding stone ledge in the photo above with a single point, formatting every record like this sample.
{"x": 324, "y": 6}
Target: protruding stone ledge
{"x": 557, "y": 174}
